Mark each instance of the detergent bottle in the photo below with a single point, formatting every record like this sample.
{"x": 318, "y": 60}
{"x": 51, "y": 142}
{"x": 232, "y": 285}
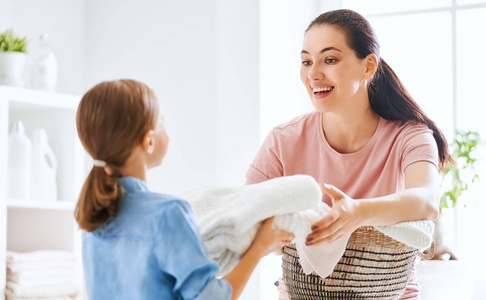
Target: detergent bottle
{"x": 44, "y": 167}
{"x": 44, "y": 66}
{"x": 19, "y": 154}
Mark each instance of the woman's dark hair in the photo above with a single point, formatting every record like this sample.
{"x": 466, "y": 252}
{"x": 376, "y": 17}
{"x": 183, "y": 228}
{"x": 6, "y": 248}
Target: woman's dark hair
{"x": 112, "y": 119}
{"x": 388, "y": 96}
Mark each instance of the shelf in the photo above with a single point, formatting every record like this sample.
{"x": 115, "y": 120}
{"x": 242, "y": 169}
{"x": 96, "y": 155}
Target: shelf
{"x": 29, "y": 225}
{"x": 25, "y": 99}
{"x": 41, "y": 204}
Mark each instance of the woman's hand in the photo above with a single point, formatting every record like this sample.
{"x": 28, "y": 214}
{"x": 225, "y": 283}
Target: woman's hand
{"x": 342, "y": 220}
{"x": 270, "y": 240}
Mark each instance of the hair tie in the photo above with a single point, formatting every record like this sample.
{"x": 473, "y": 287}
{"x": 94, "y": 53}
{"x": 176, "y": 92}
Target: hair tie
{"x": 99, "y": 163}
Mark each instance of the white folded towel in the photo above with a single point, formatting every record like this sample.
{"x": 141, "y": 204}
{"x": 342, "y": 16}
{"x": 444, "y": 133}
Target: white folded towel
{"x": 40, "y": 259}
{"x": 38, "y": 281}
{"x": 39, "y": 292}
{"x": 228, "y": 218}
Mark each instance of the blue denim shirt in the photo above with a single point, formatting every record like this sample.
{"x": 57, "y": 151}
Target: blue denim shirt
{"x": 151, "y": 250}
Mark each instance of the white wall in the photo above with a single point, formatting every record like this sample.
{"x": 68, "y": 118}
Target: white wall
{"x": 237, "y": 88}
{"x": 170, "y": 45}
{"x": 282, "y": 26}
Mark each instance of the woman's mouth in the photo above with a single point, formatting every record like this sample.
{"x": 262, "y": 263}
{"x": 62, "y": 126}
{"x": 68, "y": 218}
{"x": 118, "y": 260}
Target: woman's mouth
{"x": 320, "y": 92}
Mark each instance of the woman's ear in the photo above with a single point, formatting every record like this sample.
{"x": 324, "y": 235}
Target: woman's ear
{"x": 371, "y": 64}
{"x": 148, "y": 142}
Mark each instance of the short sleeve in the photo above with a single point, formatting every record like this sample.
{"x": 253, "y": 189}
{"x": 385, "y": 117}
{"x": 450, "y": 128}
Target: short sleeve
{"x": 180, "y": 253}
{"x": 418, "y": 144}
{"x": 267, "y": 163}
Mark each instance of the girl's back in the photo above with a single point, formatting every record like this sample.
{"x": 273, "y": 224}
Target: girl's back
{"x": 153, "y": 244}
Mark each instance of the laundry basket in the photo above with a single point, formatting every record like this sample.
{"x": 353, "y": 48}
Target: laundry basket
{"x": 373, "y": 266}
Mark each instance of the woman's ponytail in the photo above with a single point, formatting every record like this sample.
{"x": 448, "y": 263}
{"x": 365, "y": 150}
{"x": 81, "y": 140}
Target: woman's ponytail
{"x": 390, "y": 100}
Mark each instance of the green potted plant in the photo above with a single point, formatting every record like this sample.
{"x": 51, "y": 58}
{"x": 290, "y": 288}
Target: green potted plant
{"x": 13, "y": 49}
{"x": 456, "y": 179}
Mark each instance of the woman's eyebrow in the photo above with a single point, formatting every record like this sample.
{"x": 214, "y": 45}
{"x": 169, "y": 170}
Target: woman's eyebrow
{"x": 322, "y": 51}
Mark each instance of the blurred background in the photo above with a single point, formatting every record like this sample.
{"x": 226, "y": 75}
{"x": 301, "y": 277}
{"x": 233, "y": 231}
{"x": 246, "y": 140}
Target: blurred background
{"x": 227, "y": 72}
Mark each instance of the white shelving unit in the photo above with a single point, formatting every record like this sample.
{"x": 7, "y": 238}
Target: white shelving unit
{"x": 29, "y": 225}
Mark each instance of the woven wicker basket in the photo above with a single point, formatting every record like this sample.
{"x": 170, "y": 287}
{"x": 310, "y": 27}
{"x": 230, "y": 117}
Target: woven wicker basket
{"x": 374, "y": 266}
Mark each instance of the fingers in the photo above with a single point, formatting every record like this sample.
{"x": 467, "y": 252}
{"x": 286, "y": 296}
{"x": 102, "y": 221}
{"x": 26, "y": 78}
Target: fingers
{"x": 324, "y": 235}
{"x": 268, "y": 221}
{"x": 280, "y": 235}
{"x": 332, "y": 191}
{"x": 285, "y": 236}
{"x": 325, "y": 222}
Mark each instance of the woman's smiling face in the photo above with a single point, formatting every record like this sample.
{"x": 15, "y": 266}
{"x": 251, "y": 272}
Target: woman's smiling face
{"x": 330, "y": 69}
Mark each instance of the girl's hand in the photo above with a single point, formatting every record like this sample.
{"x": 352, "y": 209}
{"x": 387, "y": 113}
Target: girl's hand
{"x": 270, "y": 240}
{"x": 343, "y": 219}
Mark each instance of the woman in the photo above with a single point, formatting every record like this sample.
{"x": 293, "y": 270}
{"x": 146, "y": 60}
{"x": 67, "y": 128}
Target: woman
{"x": 373, "y": 146}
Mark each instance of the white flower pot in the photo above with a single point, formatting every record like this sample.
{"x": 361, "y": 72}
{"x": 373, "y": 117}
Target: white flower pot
{"x": 12, "y": 66}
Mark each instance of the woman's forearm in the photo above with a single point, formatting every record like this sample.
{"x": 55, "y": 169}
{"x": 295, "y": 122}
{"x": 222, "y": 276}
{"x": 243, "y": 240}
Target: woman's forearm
{"x": 409, "y": 205}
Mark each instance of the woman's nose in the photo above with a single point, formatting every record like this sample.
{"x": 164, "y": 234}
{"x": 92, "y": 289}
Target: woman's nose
{"x": 315, "y": 73}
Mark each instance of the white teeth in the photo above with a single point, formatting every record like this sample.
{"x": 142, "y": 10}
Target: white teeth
{"x": 322, "y": 89}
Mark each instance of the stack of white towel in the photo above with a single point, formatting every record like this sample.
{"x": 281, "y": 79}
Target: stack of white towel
{"x": 45, "y": 274}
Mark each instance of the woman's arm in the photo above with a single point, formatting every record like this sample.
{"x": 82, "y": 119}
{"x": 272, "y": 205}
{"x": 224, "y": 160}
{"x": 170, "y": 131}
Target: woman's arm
{"x": 419, "y": 201}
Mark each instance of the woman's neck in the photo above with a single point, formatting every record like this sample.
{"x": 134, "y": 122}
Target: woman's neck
{"x": 349, "y": 132}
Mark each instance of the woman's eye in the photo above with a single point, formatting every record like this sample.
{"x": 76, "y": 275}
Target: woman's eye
{"x": 306, "y": 63}
{"x": 330, "y": 60}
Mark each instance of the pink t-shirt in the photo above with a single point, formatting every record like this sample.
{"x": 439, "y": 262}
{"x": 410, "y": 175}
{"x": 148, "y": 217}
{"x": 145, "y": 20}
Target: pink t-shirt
{"x": 378, "y": 169}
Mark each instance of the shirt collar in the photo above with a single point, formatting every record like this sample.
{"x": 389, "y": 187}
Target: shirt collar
{"x": 133, "y": 184}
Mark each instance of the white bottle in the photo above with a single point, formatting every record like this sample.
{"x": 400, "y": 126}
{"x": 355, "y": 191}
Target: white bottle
{"x": 43, "y": 171}
{"x": 19, "y": 155}
{"x": 44, "y": 66}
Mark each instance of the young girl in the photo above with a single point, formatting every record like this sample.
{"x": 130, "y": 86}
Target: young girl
{"x": 138, "y": 244}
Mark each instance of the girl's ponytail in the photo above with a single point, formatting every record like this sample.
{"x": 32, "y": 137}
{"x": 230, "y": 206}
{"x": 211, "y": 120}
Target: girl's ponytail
{"x": 99, "y": 200}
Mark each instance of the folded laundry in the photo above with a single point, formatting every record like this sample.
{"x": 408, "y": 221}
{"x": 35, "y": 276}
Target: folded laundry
{"x": 41, "y": 259}
{"x": 48, "y": 291}
{"x": 41, "y": 280}
{"x": 44, "y": 274}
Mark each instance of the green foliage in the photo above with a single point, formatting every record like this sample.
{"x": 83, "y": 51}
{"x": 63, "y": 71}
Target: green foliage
{"x": 456, "y": 179}
{"x": 11, "y": 42}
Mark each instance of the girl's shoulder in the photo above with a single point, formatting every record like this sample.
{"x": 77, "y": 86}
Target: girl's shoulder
{"x": 165, "y": 201}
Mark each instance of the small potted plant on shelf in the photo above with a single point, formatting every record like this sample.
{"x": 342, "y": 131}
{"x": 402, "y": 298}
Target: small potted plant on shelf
{"x": 13, "y": 55}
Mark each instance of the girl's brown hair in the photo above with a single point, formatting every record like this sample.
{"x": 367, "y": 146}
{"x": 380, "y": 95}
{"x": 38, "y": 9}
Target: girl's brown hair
{"x": 388, "y": 96}
{"x": 112, "y": 119}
